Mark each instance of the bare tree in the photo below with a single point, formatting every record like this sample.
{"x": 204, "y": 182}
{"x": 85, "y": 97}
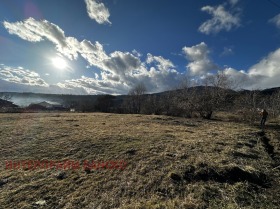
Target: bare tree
{"x": 138, "y": 90}
{"x": 247, "y": 104}
{"x": 184, "y": 99}
{"x": 6, "y": 105}
{"x": 188, "y": 98}
{"x": 134, "y": 101}
{"x": 153, "y": 104}
{"x": 168, "y": 102}
{"x": 275, "y": 104}
{"x": 213, "y": 95}
{"x": 104, "y": 103}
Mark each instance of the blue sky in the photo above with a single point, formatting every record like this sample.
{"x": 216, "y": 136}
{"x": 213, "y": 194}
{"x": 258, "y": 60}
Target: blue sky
{"x": 108, "y": 46}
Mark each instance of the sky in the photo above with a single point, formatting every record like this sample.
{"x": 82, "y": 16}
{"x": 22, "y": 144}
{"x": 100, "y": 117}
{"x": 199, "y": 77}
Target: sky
{"x": 110, "y": 46}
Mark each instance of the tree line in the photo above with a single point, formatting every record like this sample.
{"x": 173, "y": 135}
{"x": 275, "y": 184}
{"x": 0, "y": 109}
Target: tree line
{"x": 215, "y": 94}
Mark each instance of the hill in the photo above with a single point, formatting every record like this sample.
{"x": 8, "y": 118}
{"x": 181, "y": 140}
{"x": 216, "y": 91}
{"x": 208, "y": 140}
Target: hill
{"x": 6, "y": 104}
{"x": 26, "y": 98}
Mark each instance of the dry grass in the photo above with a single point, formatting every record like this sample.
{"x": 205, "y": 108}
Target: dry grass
{"x": 171, "y": 162}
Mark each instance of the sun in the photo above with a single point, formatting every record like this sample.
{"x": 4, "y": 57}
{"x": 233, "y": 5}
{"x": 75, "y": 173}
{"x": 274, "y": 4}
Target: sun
{"x": 59, "y": 63}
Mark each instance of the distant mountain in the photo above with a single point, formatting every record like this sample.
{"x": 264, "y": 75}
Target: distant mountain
{"x": 270, "y": 91}
{"x": 264, "y": 92}
{"x": 26, "y": 98}
{"x": 6, "y": 104}
{"x": 42, "y": 106}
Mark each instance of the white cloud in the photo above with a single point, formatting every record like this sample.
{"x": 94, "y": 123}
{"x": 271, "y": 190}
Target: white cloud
{"x": 117, "y": 62}
{"x": 162, "y": 64}
{"x": 268, "y": 66}
{"x": 119, "y": 70}
{"x": 136, "y": 53}
{"x": 276, "y": 20}
{"x": 93, "y": 86}
{"x": 97, "y": 11}
{"x": 68, "y": 46}
{"x": 35, "y": 31}
{"x": 221, "y": 19}
{"x": 227, "y": 51}
{"x": 162, "y": 73}
{"x": 93, "y": 53}
{"x": 21, "y": 76}
{"x": 157, "y": 73}
{"x": 264, "y": 74}
{"x": 269, "y": 69}
{"x": 200, "y": 63}
{"x": 22, "y": 29}
{"x": 233, "y": 2}
{"x": 242, "y": 79}
{"x": 121, "y": 63}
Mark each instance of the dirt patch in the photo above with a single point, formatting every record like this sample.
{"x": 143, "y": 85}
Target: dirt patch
{"x": 131, "y": 152}
{"x": 227, "y": 174}
{"x": 245, "y": 155}
{"x": 267, "y": 146}
{"x": 175, "y": 177}
{"x": 3, "y": 182}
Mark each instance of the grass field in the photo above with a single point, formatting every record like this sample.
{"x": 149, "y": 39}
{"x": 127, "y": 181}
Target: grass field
{"x": 171, "y": 162}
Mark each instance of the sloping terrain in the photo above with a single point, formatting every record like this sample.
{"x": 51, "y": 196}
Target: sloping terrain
{"x": 169, "y": 162}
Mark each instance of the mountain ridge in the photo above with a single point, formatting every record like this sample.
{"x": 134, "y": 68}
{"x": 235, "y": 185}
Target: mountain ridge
{"x": 27, "y": 98}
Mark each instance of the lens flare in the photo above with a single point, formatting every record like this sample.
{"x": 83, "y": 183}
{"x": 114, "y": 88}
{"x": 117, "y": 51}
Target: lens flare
{"x": 59, "y": 63}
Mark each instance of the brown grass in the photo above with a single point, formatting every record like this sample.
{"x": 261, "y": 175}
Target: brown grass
{"x": 171, "y": 162}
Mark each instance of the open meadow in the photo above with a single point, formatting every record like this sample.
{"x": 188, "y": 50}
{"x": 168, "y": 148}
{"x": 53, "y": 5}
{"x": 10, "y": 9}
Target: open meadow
{"x": 167, "y": 162}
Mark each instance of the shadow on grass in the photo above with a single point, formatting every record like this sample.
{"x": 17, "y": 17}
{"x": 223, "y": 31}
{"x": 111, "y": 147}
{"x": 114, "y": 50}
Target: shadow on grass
{"x": 268, "y": 147}
{"x": 229, "y": 174}
{"x": 275, "y": 127}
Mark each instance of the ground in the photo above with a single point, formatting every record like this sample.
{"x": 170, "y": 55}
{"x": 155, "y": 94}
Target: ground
{"x": 163, "y": 162}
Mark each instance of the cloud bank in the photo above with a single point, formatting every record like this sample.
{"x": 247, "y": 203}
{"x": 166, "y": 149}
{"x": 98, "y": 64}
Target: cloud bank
{"x": 118, "y": 70}
{"x": 22, "y": 76}
{"x": 264, "y": 74}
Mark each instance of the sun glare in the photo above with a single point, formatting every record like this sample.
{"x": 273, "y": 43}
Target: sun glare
{"x": 59, "y": 62}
